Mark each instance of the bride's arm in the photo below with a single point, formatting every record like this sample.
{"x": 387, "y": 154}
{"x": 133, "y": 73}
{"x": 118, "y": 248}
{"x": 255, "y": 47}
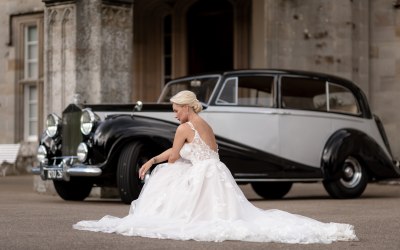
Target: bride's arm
{"x": 156, "y": 159}
{"x": 171, "y": 154}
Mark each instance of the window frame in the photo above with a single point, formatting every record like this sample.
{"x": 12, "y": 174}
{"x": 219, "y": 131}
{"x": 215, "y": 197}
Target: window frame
{"x": 236, "y": 86}
{"x": 237, "y": 91}
{"x": 20, "y": 26}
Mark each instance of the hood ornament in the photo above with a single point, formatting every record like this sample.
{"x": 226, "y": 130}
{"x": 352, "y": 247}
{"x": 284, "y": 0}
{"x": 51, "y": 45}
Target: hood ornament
{"x": 138, "y": 107}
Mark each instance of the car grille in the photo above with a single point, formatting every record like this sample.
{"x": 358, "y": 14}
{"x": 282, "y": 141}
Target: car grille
{"x": 71, "y": 133}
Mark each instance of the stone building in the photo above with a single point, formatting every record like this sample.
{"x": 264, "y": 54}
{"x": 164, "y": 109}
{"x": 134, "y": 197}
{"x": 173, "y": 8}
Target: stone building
{"x": 118, "y": 51}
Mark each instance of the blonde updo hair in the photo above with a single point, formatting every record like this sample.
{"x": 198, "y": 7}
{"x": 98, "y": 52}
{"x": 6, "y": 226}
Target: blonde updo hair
{"x": 187, "y": 97}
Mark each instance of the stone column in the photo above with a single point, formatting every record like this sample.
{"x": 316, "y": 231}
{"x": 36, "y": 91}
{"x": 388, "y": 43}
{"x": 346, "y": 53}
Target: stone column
{"x": 88, "y": 51}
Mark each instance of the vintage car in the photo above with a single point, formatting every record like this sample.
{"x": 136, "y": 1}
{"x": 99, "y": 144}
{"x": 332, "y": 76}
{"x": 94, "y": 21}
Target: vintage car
{"x": 273, "y": 127}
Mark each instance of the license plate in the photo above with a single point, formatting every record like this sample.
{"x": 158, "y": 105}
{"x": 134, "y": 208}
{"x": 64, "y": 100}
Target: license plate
{"x": 54, "y": 174}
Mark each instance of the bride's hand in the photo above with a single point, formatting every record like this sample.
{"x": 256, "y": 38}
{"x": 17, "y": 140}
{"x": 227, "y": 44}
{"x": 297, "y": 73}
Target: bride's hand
{"x": 143, "y": 169}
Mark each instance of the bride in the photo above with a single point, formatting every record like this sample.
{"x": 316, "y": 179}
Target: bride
{"x": 194, "y": 196}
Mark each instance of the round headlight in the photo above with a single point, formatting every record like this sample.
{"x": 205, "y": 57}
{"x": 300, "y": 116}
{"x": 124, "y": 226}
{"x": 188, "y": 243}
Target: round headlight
{"x": 41, "y": 153}
{"x": 53, "y": 124}
{"x": 82, "y": 152}
{"x": 88, "y": 120}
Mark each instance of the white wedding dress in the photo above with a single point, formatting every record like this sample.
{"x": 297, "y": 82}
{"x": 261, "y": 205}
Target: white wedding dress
{"x": 196, "y": 198}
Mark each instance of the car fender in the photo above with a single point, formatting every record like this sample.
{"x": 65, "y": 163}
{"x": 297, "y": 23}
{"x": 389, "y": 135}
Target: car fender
{"x": 346, "y": 142}
{"x": 114, "y": 133}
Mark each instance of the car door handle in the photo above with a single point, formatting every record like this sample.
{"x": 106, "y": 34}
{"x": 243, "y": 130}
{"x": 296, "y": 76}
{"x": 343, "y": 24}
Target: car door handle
{"x": 278, "y": 113}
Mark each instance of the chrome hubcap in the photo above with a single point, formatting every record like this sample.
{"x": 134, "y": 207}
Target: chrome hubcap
{"x": 348, "y": 172}
{"x": 352, "y": 173}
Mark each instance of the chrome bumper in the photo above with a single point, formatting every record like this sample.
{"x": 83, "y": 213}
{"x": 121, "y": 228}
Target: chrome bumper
{"x": 65, "y": 169}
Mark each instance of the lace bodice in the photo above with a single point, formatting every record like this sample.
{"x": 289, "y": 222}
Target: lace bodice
{"x": 197, "y": 150}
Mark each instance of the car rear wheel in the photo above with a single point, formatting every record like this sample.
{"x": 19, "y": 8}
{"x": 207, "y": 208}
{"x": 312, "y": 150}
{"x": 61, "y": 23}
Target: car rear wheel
{"x": 73, "y": 190}
{"x": 132, "y": 157}
{"x": 352, "y": 183}
{"x": 272, "y": 190}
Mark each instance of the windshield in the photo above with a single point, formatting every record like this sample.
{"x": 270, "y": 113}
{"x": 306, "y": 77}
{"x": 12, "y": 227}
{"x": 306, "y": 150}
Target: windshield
{"x": 203, "y": 87}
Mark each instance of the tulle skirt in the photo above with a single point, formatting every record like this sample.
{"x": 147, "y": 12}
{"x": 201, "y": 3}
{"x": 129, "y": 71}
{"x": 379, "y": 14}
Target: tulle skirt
{"x": 202, "y": 202}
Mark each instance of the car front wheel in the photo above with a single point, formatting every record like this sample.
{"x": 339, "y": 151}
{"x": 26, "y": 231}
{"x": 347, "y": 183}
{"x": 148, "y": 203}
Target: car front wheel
{"x": 132, "y": 157}
{"x": 73, "y": 190}
{"x": 352, "y": 183}
{"x": 272, "y": 190}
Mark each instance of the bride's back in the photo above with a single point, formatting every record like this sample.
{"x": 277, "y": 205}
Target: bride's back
{"x": 205, "y": 132}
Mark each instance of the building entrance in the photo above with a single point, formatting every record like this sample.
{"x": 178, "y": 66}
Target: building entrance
{"x": 210, "y": 36}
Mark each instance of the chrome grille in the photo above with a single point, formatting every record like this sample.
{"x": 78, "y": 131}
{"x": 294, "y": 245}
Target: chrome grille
{"x": 71, "y": 133}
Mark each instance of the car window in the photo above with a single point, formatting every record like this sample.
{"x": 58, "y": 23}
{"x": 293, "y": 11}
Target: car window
{"x": 303, "y": 93}
{"x": 342, "y": 100}
{"x": 256, "y": 91}
{"x": 203, "y": 87}
{"x": 314, "y": 94}
{"x": 228, "y": 95}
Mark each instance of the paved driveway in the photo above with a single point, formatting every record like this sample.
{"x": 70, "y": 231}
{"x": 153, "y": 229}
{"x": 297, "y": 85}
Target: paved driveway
{"x": 32, "y": 221}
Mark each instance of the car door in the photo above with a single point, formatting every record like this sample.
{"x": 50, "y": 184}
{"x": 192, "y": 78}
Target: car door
{"x": 245, "y": 121}
{"x": 304, "y": 124}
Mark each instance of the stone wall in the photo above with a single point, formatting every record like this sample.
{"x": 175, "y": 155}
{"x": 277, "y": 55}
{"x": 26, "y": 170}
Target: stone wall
{"x": 88, "y": 51}
{"x": 355, "y": 39}
{"x": 9, "y": 64}
{"x": 385, "y": 67}
{"x": 322, "y": 36}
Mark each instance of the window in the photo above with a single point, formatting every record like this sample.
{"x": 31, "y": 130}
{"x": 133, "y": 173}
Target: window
{"x": 229, "y": 94}
{"x": 312, "y": 94}
{"x": 28, "y": 40}
{"x": 31, "y": 52}
{"x": 203, "y": 87}
{"x": 303, "y": 93}
{"x": 31, "y": 112}
{"x": 30, "y": 90}
{"x": 255, "y": 91}
{"x": 342, "y": 100}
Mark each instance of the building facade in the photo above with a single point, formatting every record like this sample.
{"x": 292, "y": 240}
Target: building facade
{"x": 120, "y": 51}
